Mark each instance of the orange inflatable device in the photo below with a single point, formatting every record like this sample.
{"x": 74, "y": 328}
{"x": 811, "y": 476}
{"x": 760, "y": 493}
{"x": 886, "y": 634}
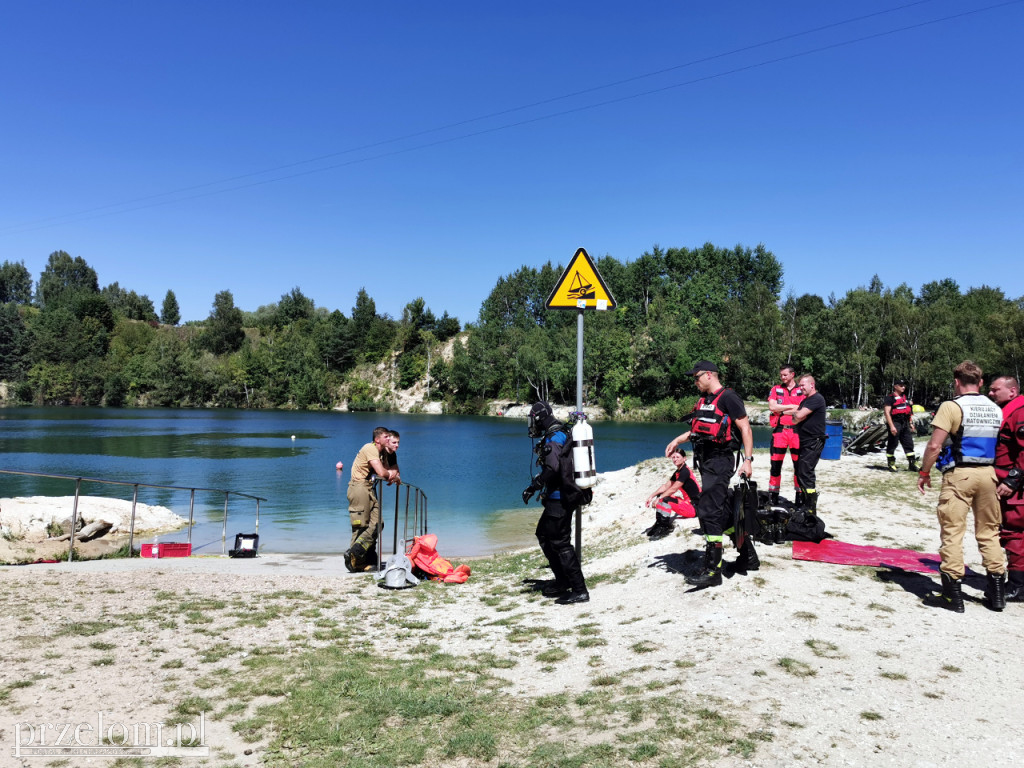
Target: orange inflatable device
{"x": 425, "y": 559}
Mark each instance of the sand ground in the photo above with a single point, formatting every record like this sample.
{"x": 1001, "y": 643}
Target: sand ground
{"x": 840, "y": 665}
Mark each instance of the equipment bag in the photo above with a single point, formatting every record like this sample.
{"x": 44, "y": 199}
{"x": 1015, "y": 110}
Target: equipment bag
{"x": 805, "y": 526}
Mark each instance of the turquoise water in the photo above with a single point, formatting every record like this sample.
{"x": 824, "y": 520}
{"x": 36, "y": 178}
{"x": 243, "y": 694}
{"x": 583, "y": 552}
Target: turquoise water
{"x": 472, "y": 469}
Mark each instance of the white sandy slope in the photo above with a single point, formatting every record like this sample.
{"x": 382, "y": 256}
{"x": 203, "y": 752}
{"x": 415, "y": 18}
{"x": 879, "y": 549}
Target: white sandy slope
{"x": 833, "y": 665}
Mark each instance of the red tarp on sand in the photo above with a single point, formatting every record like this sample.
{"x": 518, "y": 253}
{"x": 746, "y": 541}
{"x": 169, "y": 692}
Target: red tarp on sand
{"x": 832, "y": 551}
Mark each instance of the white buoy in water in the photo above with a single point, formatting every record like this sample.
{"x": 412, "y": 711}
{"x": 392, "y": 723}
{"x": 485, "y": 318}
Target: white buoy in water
{"x": 293, "y": 437}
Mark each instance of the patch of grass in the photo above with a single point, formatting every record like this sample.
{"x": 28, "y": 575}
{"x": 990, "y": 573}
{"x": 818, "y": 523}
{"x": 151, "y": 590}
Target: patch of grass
{"x": 99, "y": 645}
{"x": 173, "y": 664}
{"x": 84, "y": 628}
{"x": 892, "y": 675}
{"x": 643, "y": 647}
{"x": 797, "y": 668}
{"x": 882, "y": 608}
{"x": 805, "y": 616}
{"x": 5, "y": 691}
{"x": 852, "y": 628}
{"x": 590, "y": 642}
{"x": 951, "y": 668}
{"x": 870, "y": 716}
{"x": 552, "y": 655}
{"x": 104, "y": 661}
{"x": 824, "y": 649}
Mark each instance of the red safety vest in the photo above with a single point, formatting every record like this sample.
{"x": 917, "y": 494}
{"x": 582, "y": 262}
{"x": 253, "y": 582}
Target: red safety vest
{"x": 711, "y": 422}
{"x": 784, "y": 396}
{"x": 900, "y": 407}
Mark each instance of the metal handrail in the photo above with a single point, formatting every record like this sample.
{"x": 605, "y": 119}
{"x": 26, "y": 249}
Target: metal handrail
{"x": 135, "y": 497}
{"x": 412, "y": 525}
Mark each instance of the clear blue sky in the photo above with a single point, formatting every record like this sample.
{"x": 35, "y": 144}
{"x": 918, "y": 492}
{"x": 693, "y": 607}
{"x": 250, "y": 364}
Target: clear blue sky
{"x": 426, "y": 149}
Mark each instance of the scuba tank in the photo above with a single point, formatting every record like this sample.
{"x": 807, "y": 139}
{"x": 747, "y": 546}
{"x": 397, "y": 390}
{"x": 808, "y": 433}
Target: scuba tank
{"x": 583, "y": 452}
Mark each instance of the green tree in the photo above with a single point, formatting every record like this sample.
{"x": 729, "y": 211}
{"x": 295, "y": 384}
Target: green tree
{"x": 170, "y": 314}
{"x": 293, "y": 307}
{"x": 15, "y": 283}
{"x": 13, "y": 343}
{"x": 223, "y": 332}
{"x": 65, "y": 277}
{"x": 129, "y": 304}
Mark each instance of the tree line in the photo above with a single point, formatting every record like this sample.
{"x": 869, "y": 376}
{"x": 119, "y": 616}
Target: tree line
{"x": 681, "y": 305}
{"x": 66, "y": 341}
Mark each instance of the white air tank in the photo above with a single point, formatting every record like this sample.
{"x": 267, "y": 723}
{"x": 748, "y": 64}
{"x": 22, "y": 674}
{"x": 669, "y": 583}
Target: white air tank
{"x": 583, "y": 454}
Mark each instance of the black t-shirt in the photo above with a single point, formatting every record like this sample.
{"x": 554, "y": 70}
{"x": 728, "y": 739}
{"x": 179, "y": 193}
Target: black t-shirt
{"x": 814, "y": 425}
{"x": 685, "y": 476}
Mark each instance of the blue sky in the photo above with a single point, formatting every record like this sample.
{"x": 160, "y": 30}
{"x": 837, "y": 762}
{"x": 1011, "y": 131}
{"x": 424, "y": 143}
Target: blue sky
{"x": 426, "y": 149}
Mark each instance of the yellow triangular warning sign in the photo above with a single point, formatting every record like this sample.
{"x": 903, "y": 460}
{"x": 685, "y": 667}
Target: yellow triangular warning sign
{"x": 580, "y": 287}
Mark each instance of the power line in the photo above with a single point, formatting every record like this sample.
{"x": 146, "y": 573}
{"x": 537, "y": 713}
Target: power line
{"x": 460, "y": 123}
{"x": 154, "y": 200}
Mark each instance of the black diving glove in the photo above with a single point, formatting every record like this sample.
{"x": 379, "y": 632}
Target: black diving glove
{"x": 528, "y": 493}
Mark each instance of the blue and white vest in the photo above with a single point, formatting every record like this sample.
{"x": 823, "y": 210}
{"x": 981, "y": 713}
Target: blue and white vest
{"x": 974, "y": 444}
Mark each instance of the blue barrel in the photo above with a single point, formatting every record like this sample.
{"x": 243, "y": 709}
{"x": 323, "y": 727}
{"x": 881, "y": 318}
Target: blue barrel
{"x": 833, "y": 440}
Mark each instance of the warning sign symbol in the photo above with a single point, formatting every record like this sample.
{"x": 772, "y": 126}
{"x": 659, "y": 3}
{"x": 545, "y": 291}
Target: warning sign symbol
{"x": 581, "y": 290}
{"x": 580, "y": 287}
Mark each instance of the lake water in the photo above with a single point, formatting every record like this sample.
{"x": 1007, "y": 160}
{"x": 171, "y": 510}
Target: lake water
{"x": 472, "y": 469}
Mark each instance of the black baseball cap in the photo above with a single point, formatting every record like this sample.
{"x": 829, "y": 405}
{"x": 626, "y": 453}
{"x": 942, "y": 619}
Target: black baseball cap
{"x": 703, "y": 365}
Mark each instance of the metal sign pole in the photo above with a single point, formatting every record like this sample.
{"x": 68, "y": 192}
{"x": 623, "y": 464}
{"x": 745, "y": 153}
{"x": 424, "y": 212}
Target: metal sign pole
{"x": 579, "y": 409}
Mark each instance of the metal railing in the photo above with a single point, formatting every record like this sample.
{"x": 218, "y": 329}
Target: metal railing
{"x": 135, "y": 496}
{"x": 413, "y": 516}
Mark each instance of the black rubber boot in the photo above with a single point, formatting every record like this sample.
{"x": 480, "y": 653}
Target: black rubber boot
{"x": 1015, "y": 587}
{"x": 748, "y": 559}
{"x": 952, "y": 598}
{"x": 773, "y": 498}
{"x": 711, "y": 571}
{"x": 912, "y": 459}
{"x": 799, "y": 498}
{"x": 995, "y": 594}
{"x": 892, "y": 463}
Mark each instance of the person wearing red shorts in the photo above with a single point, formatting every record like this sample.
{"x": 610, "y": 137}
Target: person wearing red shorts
{"x": 784, "y": 436}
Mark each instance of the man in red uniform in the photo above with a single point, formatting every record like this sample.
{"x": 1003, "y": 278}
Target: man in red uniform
{"x": 1005, "y": 392}
{"x": 783, "y": 434}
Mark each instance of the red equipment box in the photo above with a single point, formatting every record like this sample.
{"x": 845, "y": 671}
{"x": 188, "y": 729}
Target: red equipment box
{"x": 166, "y": 549}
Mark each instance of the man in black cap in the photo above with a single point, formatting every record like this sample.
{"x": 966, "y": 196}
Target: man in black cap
{"x": 719, "y": 427}
{"x": 554, "y": 529}
{"x": 898, "y": 417}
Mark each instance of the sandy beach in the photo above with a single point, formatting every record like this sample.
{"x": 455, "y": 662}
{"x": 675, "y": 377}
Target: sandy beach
{"x": 807, "y": 663}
